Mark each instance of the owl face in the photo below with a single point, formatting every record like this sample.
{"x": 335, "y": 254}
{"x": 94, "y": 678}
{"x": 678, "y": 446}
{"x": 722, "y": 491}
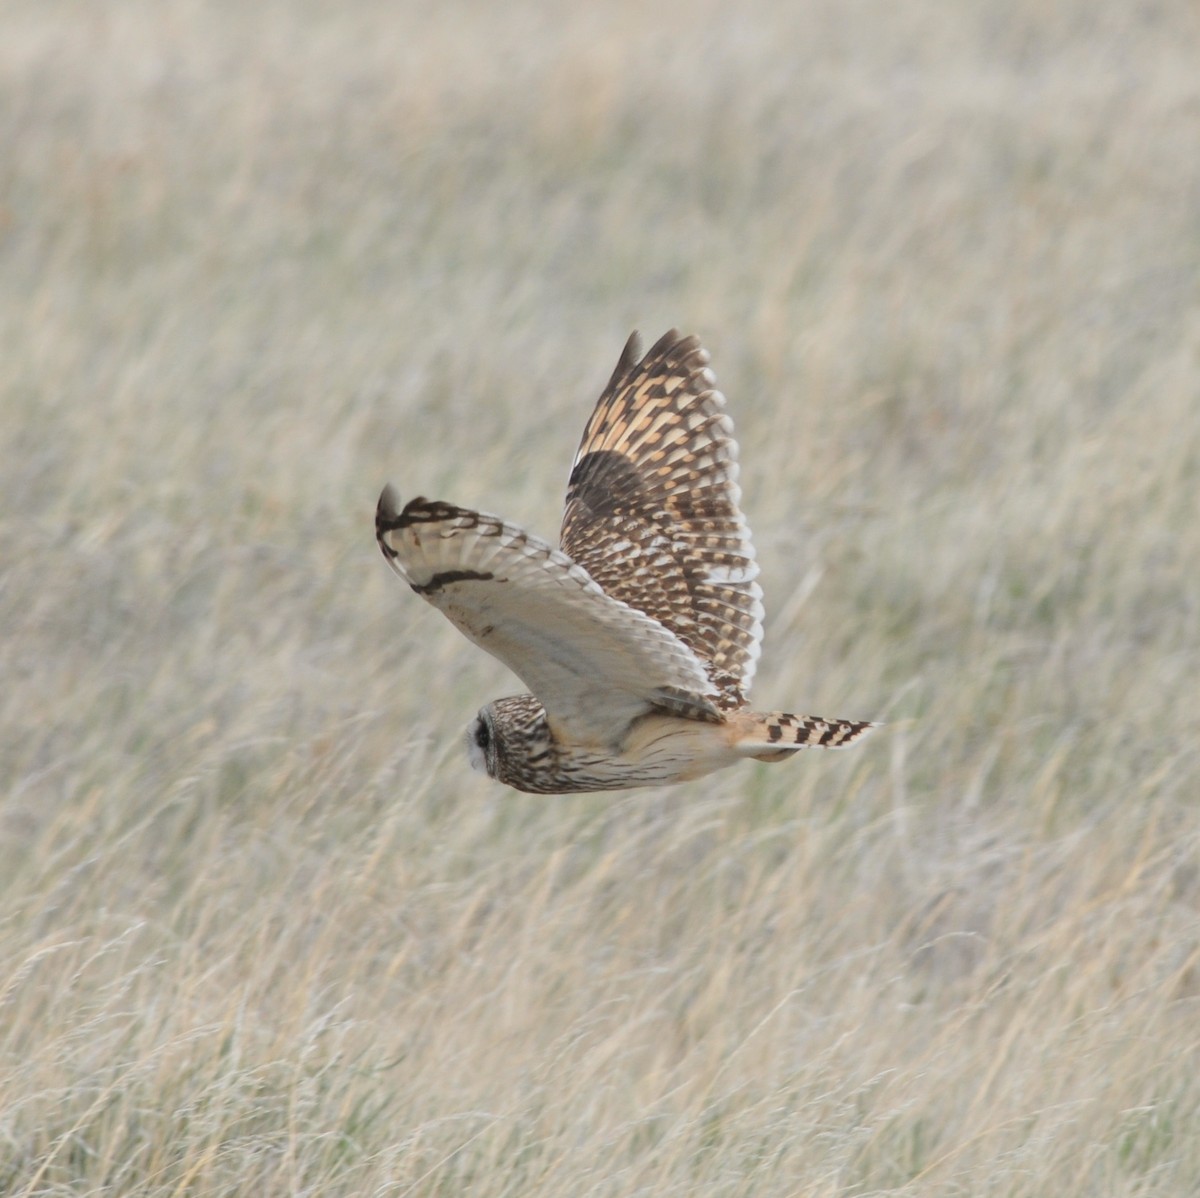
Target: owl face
{"x": 510, "y": 740}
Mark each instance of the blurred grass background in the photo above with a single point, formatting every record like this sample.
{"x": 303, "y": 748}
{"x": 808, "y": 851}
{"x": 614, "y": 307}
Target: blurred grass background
{"x": 262, "y": 931}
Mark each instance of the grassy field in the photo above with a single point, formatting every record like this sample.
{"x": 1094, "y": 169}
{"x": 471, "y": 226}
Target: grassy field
{"x": 261, "y": 930}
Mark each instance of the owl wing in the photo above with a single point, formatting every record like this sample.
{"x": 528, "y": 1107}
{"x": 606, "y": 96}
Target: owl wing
{"x": 594, "y": 662}
{"x": 652, "y": 508}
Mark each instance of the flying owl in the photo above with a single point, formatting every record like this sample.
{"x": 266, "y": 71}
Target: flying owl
{"x": 638, "y": 637}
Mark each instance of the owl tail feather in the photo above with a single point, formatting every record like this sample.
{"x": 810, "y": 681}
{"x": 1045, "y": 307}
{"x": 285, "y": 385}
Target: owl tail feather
{"x": 775, "y": 735}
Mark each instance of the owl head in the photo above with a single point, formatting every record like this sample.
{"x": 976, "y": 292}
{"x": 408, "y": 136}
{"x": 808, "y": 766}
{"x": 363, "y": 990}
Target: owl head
{"x": 509, "y": 738}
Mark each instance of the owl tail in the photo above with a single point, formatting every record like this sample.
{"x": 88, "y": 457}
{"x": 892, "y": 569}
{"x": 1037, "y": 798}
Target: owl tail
{"x": 774, "y": 735}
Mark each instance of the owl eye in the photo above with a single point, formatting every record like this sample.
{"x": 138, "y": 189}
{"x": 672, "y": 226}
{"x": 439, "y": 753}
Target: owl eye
{"x": 482, "y": 736}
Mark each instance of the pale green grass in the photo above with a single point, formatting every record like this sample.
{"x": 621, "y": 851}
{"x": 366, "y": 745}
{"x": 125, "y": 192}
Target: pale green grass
{"x": 261, "y": 930}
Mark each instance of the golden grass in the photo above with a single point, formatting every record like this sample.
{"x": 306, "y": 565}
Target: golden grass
{"x": 261, "y": 931}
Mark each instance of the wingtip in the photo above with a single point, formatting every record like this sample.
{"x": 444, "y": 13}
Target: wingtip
{"x": 631, "y": 355}
{"x": 671, "y": 342}
{"x": 388, "y": 507}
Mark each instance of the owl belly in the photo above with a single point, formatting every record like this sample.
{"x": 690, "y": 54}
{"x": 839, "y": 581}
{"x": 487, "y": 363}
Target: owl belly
{"x": 655, "y": 751}
{"x": 671, "y": 749}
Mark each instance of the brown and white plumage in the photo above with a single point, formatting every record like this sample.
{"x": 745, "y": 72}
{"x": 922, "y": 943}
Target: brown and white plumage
{"x": 639, "y": 637}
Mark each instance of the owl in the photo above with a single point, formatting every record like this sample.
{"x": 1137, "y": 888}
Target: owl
{"x": 639, "y": 635}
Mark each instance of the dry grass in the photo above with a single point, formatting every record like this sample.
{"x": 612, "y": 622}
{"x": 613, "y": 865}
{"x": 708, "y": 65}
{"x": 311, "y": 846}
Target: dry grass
{"x": 262, "y": 933}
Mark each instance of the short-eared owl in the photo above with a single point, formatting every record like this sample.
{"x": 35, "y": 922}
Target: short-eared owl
{"x": 639, "y": 635}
